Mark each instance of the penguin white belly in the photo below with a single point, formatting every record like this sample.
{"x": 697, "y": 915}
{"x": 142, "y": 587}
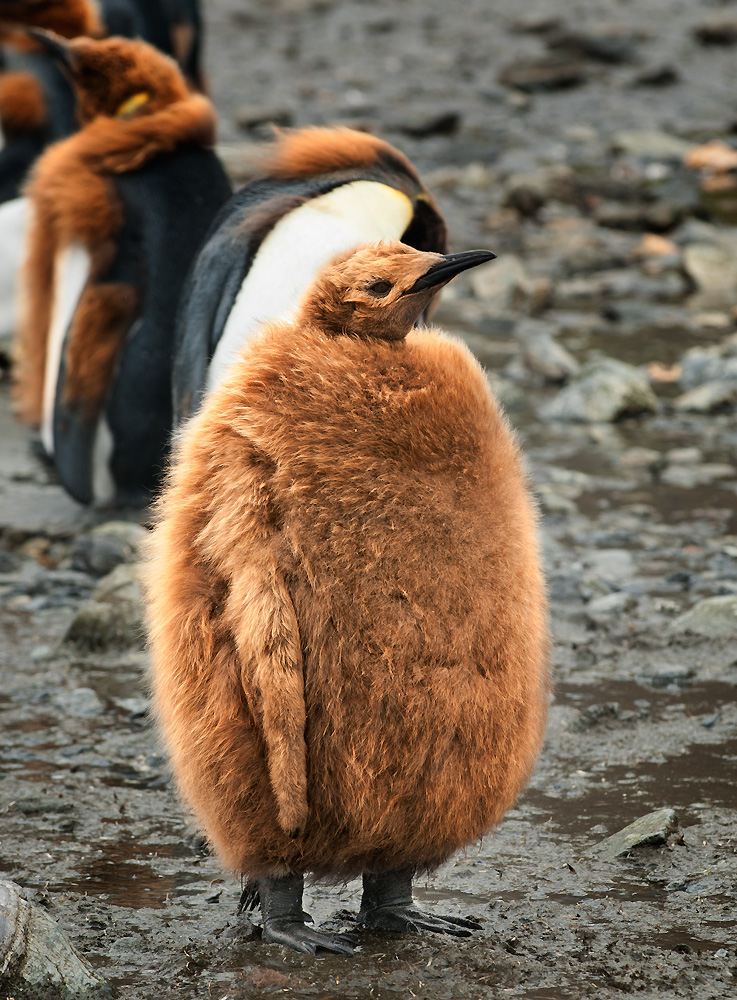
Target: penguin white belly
{"x": 13, "y": 227}
{"x": 297, "y": 248}
{"x": 71, "y": 270}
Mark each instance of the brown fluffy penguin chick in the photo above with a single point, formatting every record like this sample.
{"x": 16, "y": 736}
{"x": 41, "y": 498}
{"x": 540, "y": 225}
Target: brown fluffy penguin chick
{"x": 347, "y": 614}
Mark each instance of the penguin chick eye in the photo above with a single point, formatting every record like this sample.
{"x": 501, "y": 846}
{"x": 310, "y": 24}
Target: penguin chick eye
{"x": 381, "y": 287}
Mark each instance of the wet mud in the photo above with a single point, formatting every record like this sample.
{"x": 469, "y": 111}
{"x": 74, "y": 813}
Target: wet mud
{"x": 639, "y": 527}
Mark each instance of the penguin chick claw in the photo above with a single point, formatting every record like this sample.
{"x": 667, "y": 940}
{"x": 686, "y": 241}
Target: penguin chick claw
{"x": 285, "y": 922}
{"x": 387, "y": 905}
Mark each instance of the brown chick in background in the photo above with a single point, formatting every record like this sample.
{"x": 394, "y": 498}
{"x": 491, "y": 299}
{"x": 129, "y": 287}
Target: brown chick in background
{"x": 347, "y": 612}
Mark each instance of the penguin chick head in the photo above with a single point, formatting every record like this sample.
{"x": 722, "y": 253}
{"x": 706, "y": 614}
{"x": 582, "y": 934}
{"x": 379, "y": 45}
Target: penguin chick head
{"x": 380, "y": 291}
{"x": 116, "y": 77}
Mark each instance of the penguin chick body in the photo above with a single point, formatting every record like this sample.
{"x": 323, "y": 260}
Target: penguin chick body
{"x": 117, "y": 212}
{"x": 347, "y": 614}
{"x": 323, "y": 191}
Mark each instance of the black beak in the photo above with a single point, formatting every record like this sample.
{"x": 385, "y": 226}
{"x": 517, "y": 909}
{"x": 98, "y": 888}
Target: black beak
{"x": 447, "y": 268}
{"x": 56, "y": 46}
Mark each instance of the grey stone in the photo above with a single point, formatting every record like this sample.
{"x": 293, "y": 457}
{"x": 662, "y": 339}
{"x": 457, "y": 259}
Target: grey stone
{"x": 249, "y": 116}
{"x": 122, "y": 584}
{"x": 99, "y": 625}
{"x": 708, "y": 398}
{"x": 603, "y": 608}
{"x": 608, "y": 44}
{"x": 81, "y": 702}
{"x": 614, "y": 566}
{"x": 554, "y": 73}
{"x": 663, "y": 675}
{"x": 504, "y": 286}
{"x": 652, "y": 829}
{"x": 713, "y": 268}
{"x": 717, "y": 30}
{"x": 714, "y": 617}
{"x": 604, "y": 391}
{"x": 649, "y": 144}
{"x": 707, "y": 364}
{"x": 106, "y": 546}
{"x": 690, "y": 455}
{"x": 35, "y": 953}
{"x": 639, "y": 458}
{"x": 113, "y": 617}
{"x": 688, "y": 476}
{"x": 545, "y": 356}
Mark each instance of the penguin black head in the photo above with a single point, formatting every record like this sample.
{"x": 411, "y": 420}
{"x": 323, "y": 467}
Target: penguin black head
{"x": 115, "y": 77}
{"x": 379, "y": 292}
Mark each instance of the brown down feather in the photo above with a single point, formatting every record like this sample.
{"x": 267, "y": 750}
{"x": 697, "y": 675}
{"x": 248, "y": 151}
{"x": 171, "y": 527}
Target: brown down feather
{"x": 314, "y": 150}
{"x": 22, "y": 104}
{"x": 69, "y": 18}
{"x": 73, "y": 200}
{"x": 347, "y": 615}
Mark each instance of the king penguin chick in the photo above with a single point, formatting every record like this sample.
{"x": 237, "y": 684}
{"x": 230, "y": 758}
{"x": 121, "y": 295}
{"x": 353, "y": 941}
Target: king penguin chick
{"x": 347, "y": 614}
{"x": 118, "y": 211}
{"x": 323, "y": 191}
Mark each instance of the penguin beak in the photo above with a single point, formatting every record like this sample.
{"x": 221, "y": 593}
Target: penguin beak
{"x": 56, "y": 46}
{"x": 447, "y": 268}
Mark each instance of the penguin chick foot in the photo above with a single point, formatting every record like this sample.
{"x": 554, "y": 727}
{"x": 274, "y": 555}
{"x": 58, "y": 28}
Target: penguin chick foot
{"x": 285, "y": 920}
{"x": 387, "y": 905}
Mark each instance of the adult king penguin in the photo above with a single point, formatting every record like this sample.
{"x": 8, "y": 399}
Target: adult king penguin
{"x": 347, "y": 614}
{"x": 323, "y": 191}
{"x": 118, "y": 211}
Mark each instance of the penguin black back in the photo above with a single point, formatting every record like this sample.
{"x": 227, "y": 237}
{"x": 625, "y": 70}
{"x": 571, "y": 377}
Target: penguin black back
{"x": 324, "y": 191}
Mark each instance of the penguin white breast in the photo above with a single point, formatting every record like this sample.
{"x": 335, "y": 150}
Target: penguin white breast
{"x": 71, "y": 270}
{"x": 13, "y": 228}
{"x": 298, "y": 246}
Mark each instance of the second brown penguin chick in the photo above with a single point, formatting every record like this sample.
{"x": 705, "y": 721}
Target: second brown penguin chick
{"x": 347, "y": 614}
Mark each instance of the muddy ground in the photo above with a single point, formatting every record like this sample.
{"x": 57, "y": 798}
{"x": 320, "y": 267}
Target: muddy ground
{"x": 639, "y": 523}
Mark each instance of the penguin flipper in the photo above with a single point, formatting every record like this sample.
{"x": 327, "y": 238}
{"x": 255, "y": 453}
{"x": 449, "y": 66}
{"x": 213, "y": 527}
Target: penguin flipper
{"x": 206, "y": 302}
{"x": 91, "y": 348}
{"x": 267, "y": 636}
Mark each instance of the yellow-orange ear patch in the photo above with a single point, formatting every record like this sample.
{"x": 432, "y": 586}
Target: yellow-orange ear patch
{"x": 132, "y": 104}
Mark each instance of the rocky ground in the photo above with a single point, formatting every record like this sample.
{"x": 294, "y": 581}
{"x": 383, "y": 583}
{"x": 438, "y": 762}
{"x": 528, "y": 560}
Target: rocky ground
{"x": 556, "y": 136}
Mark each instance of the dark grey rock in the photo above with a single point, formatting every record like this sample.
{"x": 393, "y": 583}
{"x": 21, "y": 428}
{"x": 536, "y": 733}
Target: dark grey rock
{"x": 650, "y": 830}
{"x": 665, "y": 675}
{"x": 604, "y": 391}
{"x": 716, "y": 31}
{"x": 554, "y": 73}
{"x": 250, "y": 116}
{"x": 714, "y": 617}
{"x": 709, "y": 398}
{"x": 614, "y": 44}
{"x": 545, "y": 356}
{"x": 663, "y": 75}
{"x": 649, "y": 144}
{"x": 106, "y": 546}
{"x": 102, "y": 625}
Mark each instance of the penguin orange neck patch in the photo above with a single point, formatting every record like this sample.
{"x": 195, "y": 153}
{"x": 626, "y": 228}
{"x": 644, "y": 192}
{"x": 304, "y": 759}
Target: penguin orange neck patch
{"x": 133, "y": 104}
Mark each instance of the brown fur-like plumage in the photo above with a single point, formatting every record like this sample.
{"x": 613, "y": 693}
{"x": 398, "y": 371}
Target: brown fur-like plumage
{"x": 22, "y": 104}
{"x": 346, "y": 606}
{"x": 74, "y": 201}
{"x": 69, "y": 18}
{"x": 306, "y": 152}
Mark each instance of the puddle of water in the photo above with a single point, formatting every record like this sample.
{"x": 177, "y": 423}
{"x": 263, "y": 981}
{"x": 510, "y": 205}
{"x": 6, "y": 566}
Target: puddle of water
{"x": 124, "y": 880}
{"x": 674, "y": 504}
{"x": 697, "y": 699}
{"x": 683, "y": 941}
{"x": 704, "y": 773}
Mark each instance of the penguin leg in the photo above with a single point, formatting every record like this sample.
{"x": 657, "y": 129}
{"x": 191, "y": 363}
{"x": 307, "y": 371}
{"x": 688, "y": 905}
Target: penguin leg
{"x": 387, "y": 905}
{"x": 284, "y": 918}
